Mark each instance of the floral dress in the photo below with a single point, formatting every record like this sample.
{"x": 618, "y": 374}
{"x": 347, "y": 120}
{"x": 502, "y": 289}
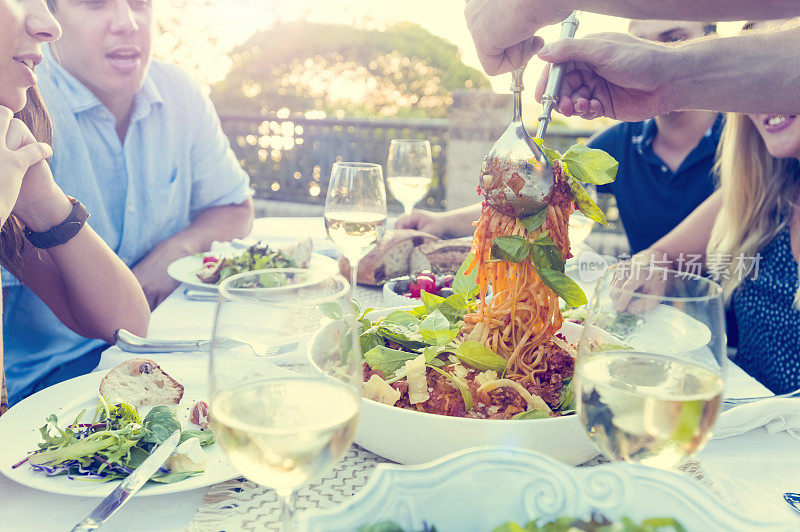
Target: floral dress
{"x": 768, "y": 322}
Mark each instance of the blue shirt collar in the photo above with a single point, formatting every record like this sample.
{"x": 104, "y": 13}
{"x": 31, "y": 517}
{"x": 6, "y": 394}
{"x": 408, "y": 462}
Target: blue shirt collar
{"x": 80, "y": 99}
{"x": 643, "y": 142}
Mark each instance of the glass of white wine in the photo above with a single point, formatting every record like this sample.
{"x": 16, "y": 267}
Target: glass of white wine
{"x": 355, "y": 211}
{"x": 285, "y": 376}
{"x": 651, "y": 364}
{"x": 409, "y": 171}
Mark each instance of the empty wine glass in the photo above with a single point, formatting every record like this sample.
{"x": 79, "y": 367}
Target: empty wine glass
{"x": 650, "y": 367}
{"x": 409, "y": 171}
{"x": 282, "y": 417}
{"x": 355, "y": 211}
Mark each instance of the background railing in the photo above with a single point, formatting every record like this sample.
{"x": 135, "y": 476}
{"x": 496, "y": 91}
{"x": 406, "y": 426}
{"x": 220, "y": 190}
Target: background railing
{"x": 290, "y": 158}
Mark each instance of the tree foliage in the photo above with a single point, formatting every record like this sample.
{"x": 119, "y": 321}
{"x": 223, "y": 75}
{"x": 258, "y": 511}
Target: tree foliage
{"x": 401, "y": 71}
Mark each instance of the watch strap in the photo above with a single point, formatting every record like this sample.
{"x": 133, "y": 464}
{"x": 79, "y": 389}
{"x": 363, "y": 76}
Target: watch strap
{"x": 63, "y": 232}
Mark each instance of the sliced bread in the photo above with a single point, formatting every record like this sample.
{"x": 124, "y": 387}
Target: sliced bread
{"x": 443, "y": 257}
{"x": 141, "y": 382}
{"x": 390, "y": 258}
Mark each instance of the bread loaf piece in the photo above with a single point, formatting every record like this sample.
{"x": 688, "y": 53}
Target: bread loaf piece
{"x": 389, "y": 259}
{"x": 443, "y": 257}
{"x": 141, "y": 382}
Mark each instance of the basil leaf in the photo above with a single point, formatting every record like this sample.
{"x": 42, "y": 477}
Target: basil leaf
{"x": 531, "y": 414}
{"x": 206, "y": 437}
{"x": 551, "y": 155}
{"x": 454, "y": 307}
{"x": 403, "y": 328}
{"x": 465, "y": 395}
{"x": 435, "y": 329}
{"x": 535, "y": 220}
{"x": 431, "y": 301}
{"x": 370, "y": 338}
{"x": 585, "y": 203}
{"x": 512, "y": 248}
{"x": 387, "y": 360}
{"x": 588, "y": 165}
{"x": 479, "y": 356}
{"x": 382, "y": 526}
{"x": 466, "y": 285}
{"x": 563, "y": 286}
{"x": 431, "y": 352}
{"x": 159, "y": 424}
{"x": 547, "y": 255}
{"x": 567, "y": 399}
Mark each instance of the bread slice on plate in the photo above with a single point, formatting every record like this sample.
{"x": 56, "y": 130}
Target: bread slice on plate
{"x": 390, "y": 258}
{"x": 443, "y": 257}
{"x": 141, "y": 382}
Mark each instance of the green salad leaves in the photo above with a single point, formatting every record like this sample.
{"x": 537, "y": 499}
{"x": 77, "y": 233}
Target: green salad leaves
{"x": 111, "y": 446}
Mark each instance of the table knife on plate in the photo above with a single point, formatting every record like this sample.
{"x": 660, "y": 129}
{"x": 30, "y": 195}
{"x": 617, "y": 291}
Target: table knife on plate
{"x": 130, "y": 485}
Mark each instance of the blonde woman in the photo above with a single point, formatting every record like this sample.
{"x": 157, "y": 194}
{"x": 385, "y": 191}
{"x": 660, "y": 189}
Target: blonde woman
{"x": 70, "y": 268}
{"x": 748, "y": 234}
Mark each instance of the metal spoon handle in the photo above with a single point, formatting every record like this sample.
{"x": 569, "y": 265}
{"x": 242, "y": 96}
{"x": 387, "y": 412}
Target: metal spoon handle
{"x": 550, "y": 96}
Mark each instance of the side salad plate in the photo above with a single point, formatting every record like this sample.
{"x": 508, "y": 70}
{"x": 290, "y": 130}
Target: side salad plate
{"x": 259, "y": 256}
{"x": 20, "y": 434}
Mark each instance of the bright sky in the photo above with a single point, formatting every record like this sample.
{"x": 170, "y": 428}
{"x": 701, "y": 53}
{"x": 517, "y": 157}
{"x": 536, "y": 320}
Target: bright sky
{"x": 236, "y": 20}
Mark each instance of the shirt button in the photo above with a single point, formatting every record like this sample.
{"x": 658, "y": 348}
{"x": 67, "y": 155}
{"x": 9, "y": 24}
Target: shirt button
{"x": 663, "y": 169}
{"x": 131, "y": 207}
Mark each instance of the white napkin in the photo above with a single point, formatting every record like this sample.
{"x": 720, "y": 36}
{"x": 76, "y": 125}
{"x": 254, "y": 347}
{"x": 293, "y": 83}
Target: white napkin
{"x": 775, "y": 415}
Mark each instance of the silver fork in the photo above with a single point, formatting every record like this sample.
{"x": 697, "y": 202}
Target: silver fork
{"x": 130, "y": 343}
{"x": 745, "y": 400}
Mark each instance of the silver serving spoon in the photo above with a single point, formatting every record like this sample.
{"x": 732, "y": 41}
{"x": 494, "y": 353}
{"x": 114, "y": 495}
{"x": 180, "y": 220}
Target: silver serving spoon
{"x": 516, "y": 177}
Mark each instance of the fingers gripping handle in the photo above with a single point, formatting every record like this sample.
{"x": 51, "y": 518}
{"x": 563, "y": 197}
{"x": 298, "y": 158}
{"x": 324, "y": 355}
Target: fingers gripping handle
{"x": 550, "y": 96}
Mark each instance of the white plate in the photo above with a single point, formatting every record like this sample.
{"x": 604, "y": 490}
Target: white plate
{"x": 411, "y": 437}
{"x": 19, "y": 432}
{"x": 480, "y": 489}
{"x": 668, "y": 327}
{"x": 185, "y": 269}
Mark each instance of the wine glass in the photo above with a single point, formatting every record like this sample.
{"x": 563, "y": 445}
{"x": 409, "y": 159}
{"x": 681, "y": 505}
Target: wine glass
{"x": 409, "y": 171}
{"x": 651, "y": 364}
{"x": 355, "y": 211}
{"x": 282, "y": 416}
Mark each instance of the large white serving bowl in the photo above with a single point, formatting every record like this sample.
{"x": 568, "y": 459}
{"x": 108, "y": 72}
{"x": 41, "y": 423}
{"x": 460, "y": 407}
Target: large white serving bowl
{"x": 411, "y": 437}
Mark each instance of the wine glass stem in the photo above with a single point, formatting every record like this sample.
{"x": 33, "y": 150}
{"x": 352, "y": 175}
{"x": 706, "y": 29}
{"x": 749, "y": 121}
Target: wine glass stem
{"x": 408, "y": 207}
{"x": 353, "y": 277}
{"x": 287, "y": 501}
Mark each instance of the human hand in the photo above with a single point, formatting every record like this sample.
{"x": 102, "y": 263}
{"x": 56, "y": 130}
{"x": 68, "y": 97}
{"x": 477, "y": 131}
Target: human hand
{"x": 151, "y": 272}
{"x": 639, "y": 283}
{"x": 504, "y": 30}
{"x": 435, "y": 223}
{"x": 610, "y": 74}
{"x": 19, "y": 151}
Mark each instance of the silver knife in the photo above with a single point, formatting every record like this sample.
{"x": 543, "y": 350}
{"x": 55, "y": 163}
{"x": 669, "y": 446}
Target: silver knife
{"x": 130, "y": 485}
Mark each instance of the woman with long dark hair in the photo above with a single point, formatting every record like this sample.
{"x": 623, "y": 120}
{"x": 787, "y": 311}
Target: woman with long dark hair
{"x": 45, "y": 241}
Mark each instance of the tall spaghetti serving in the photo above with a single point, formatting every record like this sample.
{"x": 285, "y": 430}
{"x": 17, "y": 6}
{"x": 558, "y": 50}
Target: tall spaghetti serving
{"x": 493, "y": 349}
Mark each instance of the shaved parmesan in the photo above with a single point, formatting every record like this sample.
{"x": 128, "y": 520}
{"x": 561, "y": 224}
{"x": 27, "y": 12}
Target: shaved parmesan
{"x": 417, "y": 380}
{"x": 377, "y": 389}
{"x": 486, "y": 376}
{"x": 534, "y": 401}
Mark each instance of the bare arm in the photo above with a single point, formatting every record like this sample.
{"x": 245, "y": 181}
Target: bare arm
{"x": 691, "y": 236}
{"x": 702, "y": 10}
{"x": 622, "y": 77}
{"x": 450, "y": 224}
{"x": 82, "y": 281}
{"x": 215, "y": 223}
{"x": 504, "y": 31}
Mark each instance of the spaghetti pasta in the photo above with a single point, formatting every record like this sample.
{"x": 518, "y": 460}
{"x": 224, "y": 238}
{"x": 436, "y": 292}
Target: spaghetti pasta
{"x": 520, "y": 319}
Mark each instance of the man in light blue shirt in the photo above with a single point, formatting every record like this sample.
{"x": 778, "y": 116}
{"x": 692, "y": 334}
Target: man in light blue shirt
{"x": 141, "y": 146}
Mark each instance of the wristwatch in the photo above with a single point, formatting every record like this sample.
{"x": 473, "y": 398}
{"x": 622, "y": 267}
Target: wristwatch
{"x": 61, "y": 233}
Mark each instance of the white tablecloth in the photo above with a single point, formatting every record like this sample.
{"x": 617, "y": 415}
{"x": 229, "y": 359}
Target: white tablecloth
{"x": 749, "y": 471}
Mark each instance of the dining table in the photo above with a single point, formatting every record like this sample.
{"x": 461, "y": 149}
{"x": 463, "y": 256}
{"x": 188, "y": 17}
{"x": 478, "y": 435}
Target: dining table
{"x": 748, "y": 469}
